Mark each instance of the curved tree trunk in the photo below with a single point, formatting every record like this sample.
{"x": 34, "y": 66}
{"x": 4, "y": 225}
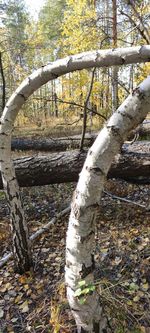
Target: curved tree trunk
{"x": 89, "y": 316}
{"x": 65, "y": 167}
{"x": 100, "y": 58}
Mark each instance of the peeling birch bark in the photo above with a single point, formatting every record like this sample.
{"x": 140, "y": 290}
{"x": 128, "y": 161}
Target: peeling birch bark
{"x": 100, "y": 58}
{"x": 90, "y": 317}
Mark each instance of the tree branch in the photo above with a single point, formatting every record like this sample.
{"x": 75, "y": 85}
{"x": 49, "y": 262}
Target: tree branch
{"x": 85, "y": 111}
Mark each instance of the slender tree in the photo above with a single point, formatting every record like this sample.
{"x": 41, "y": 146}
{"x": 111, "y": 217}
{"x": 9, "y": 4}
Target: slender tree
{"x": 114, "y": 69}
{"x": 16, "y": 20}
{"x": 3, "y": 97}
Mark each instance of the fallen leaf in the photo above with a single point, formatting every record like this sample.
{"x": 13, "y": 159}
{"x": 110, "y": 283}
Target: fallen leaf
{"x": 24, "y": 307}
{"x": 136, "y": 299}
{"x": 14, "y": 320}
{"x": 145, "y": 286}
{"x": 1, "y": 313}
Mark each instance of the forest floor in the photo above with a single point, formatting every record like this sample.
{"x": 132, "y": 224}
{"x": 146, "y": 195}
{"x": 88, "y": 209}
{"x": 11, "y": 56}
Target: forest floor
{"x": 36, "y": 301}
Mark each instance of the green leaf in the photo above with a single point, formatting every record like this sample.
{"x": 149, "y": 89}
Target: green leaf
{"x": 78, "y": 292}
{"x": 82, "y": 300}
{"x": 81, "y": 283}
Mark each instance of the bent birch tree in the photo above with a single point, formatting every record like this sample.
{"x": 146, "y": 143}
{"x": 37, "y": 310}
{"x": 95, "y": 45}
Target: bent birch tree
{"x": 100, "y": 58}
{"x": 90, "y": 317}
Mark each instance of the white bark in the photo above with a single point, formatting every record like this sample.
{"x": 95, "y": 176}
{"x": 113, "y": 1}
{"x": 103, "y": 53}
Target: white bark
{"x": 32, "y": 83}
{"x": 80, "y": 236}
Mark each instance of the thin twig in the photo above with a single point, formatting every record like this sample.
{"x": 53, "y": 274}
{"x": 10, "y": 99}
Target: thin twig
{"x": 37, "y": 234}
{"x": 85, "y": 111}
{"x": 124, "y": 199}
{"x": 71, "y": 103}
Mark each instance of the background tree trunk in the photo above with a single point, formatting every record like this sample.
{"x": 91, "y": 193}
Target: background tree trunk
{"x": 65, "y": 143}
{"x": 115, "y": 68}
{"x": 2, "y": 102}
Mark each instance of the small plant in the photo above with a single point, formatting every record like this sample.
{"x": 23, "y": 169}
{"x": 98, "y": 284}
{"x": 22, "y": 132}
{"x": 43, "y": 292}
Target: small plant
{"x": 83, "y": 290}
{"x": 2, "y": 195}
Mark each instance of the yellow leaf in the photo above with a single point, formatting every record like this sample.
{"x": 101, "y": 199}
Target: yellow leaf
{"x": 3, "y": 289}
{"x": 26, "y": 286}
{"x": 18, "y": 298}
{"x": 24, "y": 307}
{"x": 8, "y": 286}
{"x": 136, "y": 299}
{"x": 145, "y": 286}
{"x": 22, "y": 279}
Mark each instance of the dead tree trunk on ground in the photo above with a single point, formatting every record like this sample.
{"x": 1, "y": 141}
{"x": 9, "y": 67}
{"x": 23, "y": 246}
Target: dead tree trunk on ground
{"x": 132, "y": 165}
{"x": 65, "y": 143}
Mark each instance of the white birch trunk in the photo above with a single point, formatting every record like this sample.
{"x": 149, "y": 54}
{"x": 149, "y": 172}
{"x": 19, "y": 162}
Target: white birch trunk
{"x": 81, "y": 231}
{"x": 21, "y": 246}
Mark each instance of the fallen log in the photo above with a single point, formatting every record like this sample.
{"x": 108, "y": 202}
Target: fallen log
{"x": 130, "y": 165}
{"x": 52, "y": 144}
{"x": 64, "y": 143}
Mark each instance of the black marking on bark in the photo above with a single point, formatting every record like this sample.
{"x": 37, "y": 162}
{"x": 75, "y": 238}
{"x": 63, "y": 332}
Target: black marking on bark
{"x": 75, "y": 310}
{"x": 97, "y": 170}
{"x": 139, "y": 92}
{"x": 86, "y": 270}
{"x": 10, "y": 196}
{"x": 126, "y": 115}
{"x": 90, "y": 152}
{"x": 96, "y": 327}
{"x": 68, "y": 263}
{"x": 87, "y": 237}
{"x": 121, "y": 113}
{"x": 54, "y": 76}
{"x": 69, "y": 61}
{"x": 97, "y": 57}
{"x": 114, "y": 129}
{"x": 12, "y": 179}
{"x": 18, "y": 195}
{"x": 123, "y": 60}
{"x": 82, "y": 330}
{"x": 93, "y": 260}
{"x": 22, "y": 96}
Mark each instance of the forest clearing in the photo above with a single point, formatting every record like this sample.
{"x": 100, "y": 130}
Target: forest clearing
{"x": 75, "y": 167}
